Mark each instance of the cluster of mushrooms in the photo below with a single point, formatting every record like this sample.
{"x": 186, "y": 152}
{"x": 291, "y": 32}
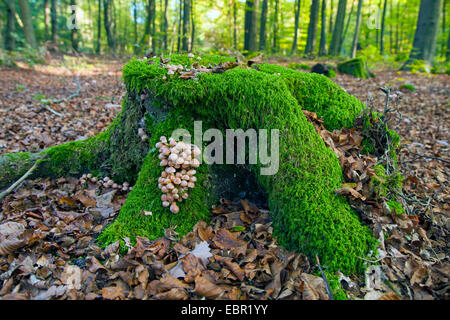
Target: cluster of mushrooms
{"x": 178, "y": 160}
{"x": 106, "y": 182}
{"x": 142, "y": 135}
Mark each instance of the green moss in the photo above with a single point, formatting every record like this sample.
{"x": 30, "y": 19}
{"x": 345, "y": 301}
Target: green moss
{"x": 395, "y": 206}
{"x": 356, "y": 67}
{"x": 299, "y": 66}
{"x": 336, "y": 288}
{"x": 409, "y": 87}
{"x": 316, "y": 93}
{"x": 146, "y": 196}
{"x": 308, "y": 216}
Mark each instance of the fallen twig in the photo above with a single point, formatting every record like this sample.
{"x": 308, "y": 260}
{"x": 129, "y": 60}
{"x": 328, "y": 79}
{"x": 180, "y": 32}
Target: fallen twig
{"x": 327, "y": 286}
{"x": 15, "y": 184}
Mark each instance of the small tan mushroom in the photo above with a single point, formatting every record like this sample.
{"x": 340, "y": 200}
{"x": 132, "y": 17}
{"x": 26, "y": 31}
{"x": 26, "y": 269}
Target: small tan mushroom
{"x": 174, "y": 208}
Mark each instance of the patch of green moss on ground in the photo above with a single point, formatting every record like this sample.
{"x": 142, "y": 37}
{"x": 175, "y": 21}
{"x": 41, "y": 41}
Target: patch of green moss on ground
{"x": 356, "y": 67}
{"x": 307, "y": 214}
{"x": 336, "y": 288}
{"x": 316, "y": 93}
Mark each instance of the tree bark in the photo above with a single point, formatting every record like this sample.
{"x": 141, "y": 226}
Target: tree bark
{"x": 74, "y": 30}
{"x": 323, "y": 30}
{"x": 10, "y": 41}
{"x": 312, "y": 27}
{"x": 383, "y": 28}
{"x": 275, "y": 28}
{"x": 251, "y": 25}
{"x": 99, "y": 28}
{"x": 344, "y": 35}
{"x": 357, "y": 29}
{"x": 27, "y": 19}
{"x": 46, "y": 19}
{"x": 235, "y": 26}
{"x": 338, "y": 28}
{"x": 166, "y": 23}
{"x": 53, "y": 20}
{"x": 297, "y": 20}
{"x": 145, "y": 40}
{"x": 186, "y": 25}
{"x": 109, "y": 24}
{"x": 180, "y": 19}
{"x": 425, "y": 37}
{"x": 262, "y": 26}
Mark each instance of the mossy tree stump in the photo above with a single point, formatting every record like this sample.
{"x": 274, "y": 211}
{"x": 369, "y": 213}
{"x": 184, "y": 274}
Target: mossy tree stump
{"x": 307, "y": 214}
{"x": 356, "y": 67}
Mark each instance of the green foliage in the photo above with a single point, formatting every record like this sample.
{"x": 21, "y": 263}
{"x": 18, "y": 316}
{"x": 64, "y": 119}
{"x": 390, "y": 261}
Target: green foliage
{"x": 308, "y": 216}
{"x": 418, "y": 66}
{"x": 356, "y": 67}
{"x": 386, "y": 185}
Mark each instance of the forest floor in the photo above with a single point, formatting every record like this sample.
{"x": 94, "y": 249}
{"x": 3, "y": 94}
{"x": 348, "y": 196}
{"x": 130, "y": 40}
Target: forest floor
{"x": 56, "y": 257}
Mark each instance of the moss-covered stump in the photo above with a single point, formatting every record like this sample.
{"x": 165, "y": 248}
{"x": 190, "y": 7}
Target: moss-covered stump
{"x": 356, "y": 67}
{"x": 307, "y": 214}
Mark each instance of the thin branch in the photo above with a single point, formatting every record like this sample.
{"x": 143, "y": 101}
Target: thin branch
{"x": 327, "y": 286}
{"x": 15, "y": 184}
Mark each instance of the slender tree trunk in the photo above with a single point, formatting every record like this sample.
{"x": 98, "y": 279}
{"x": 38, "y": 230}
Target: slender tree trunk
{"x": 344, "y": 36}
{"x": 448, "y": 48}
{"x": 10, "y": 41}
{"x": 193, "y": 27}
{"x": 235, "y": 25}
{"x": 74, "y": 30}
{"x": 338, "y": 28}
{"x": 251, "y": 25}
{"x": 27, "y": 19}
{"x": 330, "y": 27}
{"x": 297, "y": 20}
{"x": 180, "y": 18}
{"x": 424, "y": 45}
{"x": 383, "y": 28}
{"x": 109, "y": 24}
{"x": 145, "y": 40}
{"x": 153, "y": 25}
{"x": 312, "y": 27}
{"x": 46, "y": 19}
{"x": 262, "y": 26}
{"x": 357, "y": 29}
{"x": 99, "y": 27}
{"x": 53, "y": 20}
{"x": 275, "y": 28}
{"x": 166, "y": 23}
{"x": 323, "y": 30}
{"x": 186, "y": 25}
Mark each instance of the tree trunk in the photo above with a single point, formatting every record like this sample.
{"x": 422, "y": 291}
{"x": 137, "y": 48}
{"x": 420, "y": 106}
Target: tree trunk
{"x": 146, "y": 37}
{"x": 383, "y": 28}
{"x": 424, "y": 44}
{"x": 275, "y": 28}
{"x": 74, "y": 29}
{"x": 312, "y": 27}
{"x": 330, "y": 27}
{"x": 180, "y": 19}
{"x": 10, "y": 41}
{"x": 448, "y": 48}
{"x": 344, "y": 36}
{"x": 53, "y": 20}
{"x": 27, "y": 19}
{"x": 235, "y": 26}
{"x": 46, "y": 19}
{"x": 166, "y": 23}
{"x": 251, "y": 25}
{"x": 153, "y": 26}
{"x": 357, "y": 29}
{"x": 323, "y": 30}
{"x": 262, "y": 26}
{"x": 338, "y": 28}
{"x": 109, "y": 24}
{"x": 186, "y": 25}
{"x": 99, "y": 28}
{"x": 193, "y": 27}
{"x": 297, "y": 20}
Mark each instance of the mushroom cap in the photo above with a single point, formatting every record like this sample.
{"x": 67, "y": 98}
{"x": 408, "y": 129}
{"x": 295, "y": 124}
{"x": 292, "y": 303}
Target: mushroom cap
{"x": 174, "y": 208}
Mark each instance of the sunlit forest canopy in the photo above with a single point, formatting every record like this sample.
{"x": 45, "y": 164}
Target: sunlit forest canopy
{"x": 280, "y": 27}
